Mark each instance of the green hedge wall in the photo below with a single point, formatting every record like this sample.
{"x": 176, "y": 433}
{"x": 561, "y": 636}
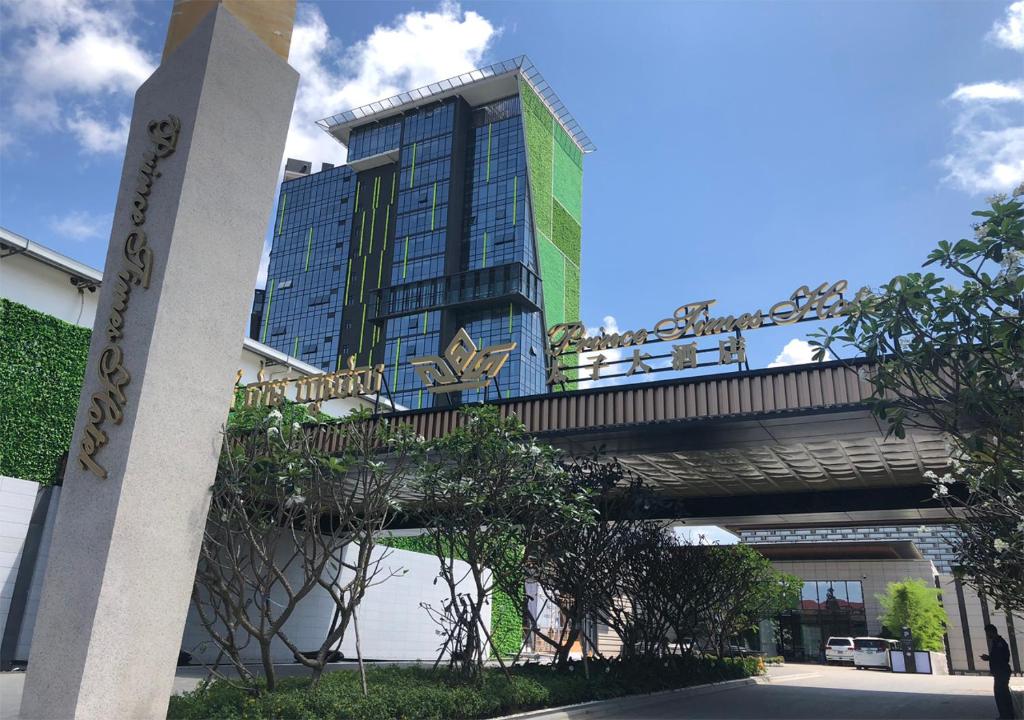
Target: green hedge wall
{"x": 506, "y": 624}
{"x": 42, "y": 365}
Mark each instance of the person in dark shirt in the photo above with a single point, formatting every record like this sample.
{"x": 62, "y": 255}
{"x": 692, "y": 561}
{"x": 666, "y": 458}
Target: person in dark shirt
{"x": 998, "y": 659}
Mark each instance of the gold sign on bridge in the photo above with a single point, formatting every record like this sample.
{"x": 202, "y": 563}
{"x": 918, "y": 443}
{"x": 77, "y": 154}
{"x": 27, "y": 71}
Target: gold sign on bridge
{"x": 349, "y": 382}
{"x": 463, "y": 367}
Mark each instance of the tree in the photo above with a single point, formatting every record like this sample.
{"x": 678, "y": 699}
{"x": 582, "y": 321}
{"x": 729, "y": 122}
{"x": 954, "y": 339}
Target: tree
{"x": 911, "y": 603}
{"x": 482, "y": 490}
{"x": 950, "y": 356}
{"x": 632, "y": 601}
{"x": 716, "y": 592}
{"x": 581, "y": 566}
{"x": 741, "y": 590}
{"x": 285, "y": 520}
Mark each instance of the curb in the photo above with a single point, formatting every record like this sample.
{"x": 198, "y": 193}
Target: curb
{"x": 594, "y": 708}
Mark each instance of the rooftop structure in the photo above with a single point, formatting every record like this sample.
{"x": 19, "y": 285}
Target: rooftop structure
{"x": 477, "y": 87}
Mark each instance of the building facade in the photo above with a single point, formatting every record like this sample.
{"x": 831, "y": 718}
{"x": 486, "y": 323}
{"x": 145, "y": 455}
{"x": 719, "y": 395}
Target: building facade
{"x": 844, "y": 570}
{"x": 934, "y": 541}
{"x": 460, "y": 206}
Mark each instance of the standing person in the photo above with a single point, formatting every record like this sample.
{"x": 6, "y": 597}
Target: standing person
{"x": 998, "y": 659}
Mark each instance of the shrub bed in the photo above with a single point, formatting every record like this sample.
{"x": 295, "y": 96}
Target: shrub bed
{"x": 415, "y": 692}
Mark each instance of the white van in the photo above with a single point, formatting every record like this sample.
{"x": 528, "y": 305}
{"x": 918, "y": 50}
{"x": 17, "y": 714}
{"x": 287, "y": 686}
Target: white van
{"x": 839, "y": 650}
{"x": 872, "y": 652}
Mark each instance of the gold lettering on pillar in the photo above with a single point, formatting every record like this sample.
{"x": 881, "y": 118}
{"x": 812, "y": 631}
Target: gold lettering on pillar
{"x": 135, "y": 272}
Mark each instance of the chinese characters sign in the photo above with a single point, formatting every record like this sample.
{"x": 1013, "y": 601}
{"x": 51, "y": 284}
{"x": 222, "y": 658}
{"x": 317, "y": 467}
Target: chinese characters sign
{"x": 692, "y": 320}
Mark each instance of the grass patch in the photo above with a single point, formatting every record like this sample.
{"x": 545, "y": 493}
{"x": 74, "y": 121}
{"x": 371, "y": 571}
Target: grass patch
{"x": 416, "y": 692}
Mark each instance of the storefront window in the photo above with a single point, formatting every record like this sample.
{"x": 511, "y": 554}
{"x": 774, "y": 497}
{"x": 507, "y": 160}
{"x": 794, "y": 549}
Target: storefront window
{"x": 827, "y": 608}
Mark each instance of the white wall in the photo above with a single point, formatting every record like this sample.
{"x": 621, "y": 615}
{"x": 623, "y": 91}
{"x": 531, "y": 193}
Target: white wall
{"x": 17, "y": 498}
{"x": 35, "y": 590}
{"x": 46, "y": 289}
{"x": 392, "y": 623}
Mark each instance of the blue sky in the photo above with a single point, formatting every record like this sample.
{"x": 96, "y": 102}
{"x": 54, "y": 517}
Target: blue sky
{"x": 744, "y": 149}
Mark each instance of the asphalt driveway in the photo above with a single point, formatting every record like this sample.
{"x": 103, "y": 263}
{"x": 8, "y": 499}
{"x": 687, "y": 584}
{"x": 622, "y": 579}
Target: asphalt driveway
{"x": 807, "y": 691}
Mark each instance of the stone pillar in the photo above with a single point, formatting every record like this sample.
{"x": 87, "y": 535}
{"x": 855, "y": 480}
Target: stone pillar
{"x": 197, "y": 187}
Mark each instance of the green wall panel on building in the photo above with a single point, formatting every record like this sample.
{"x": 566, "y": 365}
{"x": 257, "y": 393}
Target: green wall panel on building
{"x": 552, "y": 271}
{"x": 565, "y": 233}
{"x": 539, "y": 156}
{"x": 555, "y": 166}
{"x": 567, "y": 178}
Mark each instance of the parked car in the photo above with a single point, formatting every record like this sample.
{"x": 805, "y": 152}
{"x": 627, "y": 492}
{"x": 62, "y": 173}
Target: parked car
{"x": 872, "y": 652}
{"x": 839, "y": 650}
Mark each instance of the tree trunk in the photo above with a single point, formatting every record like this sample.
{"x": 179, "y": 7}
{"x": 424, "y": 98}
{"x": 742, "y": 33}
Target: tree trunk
{"x": 268, "y": 665}
{"x": 359, "y": 653}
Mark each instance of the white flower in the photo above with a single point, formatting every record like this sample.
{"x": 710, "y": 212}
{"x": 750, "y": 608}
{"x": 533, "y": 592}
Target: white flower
{"x": 1000, "y": 544}
{"x": 534, "y": 450}
{"x": 930, "y": 474}
{"x": 997, "y": 198}
{"x": 273, "y": 432}
{"x": 296, "y": 427}
{"x": 275, "y": 416}
{"x": 294, "y": 500}
{"x": 940, "y": 490}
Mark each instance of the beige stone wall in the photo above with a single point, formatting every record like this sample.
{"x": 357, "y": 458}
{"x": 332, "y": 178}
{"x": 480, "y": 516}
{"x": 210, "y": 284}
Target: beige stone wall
{"x": 958, "y": 653}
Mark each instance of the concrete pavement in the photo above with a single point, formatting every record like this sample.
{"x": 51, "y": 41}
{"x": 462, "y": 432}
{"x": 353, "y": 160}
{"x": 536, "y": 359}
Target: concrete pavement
{"x": 835, "y": 693}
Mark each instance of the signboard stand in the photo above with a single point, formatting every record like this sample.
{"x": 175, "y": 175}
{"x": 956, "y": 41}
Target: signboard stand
{"x": 204, "y": 149}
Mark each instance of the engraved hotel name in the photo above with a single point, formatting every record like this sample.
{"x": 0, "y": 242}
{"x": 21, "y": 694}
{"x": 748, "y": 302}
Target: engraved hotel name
{"x": 136, "y": 269}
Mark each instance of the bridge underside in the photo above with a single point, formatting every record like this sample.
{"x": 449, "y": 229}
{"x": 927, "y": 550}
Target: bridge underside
{"x": 828, "y": 467}
{"x": 782, "y": 446}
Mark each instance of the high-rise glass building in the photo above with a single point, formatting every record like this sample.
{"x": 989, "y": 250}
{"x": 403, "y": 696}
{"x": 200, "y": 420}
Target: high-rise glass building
{"x": 459, "y": 207}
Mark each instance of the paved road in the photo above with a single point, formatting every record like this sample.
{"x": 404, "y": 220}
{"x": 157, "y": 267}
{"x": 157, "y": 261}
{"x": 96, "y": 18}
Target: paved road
{"x": 835, "y": 693}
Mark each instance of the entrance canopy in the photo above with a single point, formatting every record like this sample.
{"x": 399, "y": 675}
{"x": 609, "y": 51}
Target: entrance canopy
{"x": 791, "y": 444}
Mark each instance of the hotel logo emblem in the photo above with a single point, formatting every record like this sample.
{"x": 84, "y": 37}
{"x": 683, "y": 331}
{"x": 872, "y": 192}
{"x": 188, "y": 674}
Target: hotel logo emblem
{"x": 463, "y": 367}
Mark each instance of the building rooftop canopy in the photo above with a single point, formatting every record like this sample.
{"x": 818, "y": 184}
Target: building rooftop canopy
{"x": 853, "y": 550}
{"x": 479, "y": 86}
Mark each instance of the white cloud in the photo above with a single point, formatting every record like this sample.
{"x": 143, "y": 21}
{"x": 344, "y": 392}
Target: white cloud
{"x": 417, "y": 48}
{"x": 79, "y": 225}
{"x": 988, "y": 133}
{"x": 610, "y": 326}
{"x": 97, "y": 136}
{"x": 991, "y": 91}
{"x": 78, "y": 54}
{"x": 795, "y": 352}
{"x": 1009, "y": 32}
{"x": 988, "y": 139}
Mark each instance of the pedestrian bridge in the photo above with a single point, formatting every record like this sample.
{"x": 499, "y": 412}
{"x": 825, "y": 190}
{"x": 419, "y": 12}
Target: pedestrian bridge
{"x": 777, "y": 446}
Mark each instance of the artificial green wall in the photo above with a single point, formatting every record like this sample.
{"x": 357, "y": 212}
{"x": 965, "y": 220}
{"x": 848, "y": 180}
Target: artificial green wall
{"x": 42, "y": 365}
{"x": 556, "y": 199}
